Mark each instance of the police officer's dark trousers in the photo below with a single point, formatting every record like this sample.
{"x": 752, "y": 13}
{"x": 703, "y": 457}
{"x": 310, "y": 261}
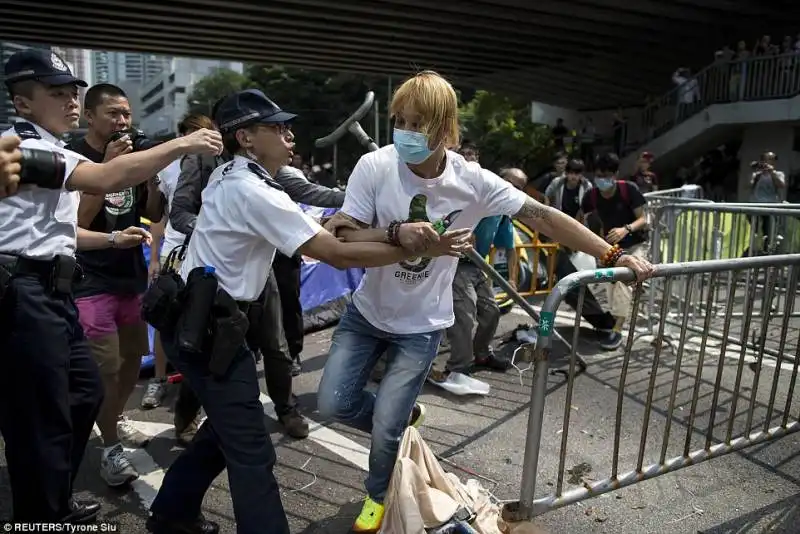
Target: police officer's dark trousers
{"x": 270, "y": 340}
{"x": 234, "y": 436}
{"x": 50, "y": 394}
{"x": 287, "y": 274}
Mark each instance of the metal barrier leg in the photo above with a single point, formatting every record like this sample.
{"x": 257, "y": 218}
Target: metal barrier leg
{"x": 517, "y": 298}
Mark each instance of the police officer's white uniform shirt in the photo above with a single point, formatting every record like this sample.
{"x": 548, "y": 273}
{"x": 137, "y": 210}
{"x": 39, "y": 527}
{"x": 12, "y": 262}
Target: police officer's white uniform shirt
{"x": 243, "y": 221}
{"x": 41, "y": 223}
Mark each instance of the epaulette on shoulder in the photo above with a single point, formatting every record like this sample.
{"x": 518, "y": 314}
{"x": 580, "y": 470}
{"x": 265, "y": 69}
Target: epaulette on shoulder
{"x": 259, "y": 171}
{"x": 26, "y": 130}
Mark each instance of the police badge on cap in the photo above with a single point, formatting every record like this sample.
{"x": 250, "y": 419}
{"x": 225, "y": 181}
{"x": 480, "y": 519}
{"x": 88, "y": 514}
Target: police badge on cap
{"x": 43, "y": 66}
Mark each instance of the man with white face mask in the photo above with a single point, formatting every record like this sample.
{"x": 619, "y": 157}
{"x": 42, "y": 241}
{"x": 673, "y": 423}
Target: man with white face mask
{"x": 620, "y": 207}
{"x": 408, "y": 194}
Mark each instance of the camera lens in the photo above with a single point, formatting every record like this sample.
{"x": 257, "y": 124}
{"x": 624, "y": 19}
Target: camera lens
{"x": 143, "y": 143}
{"x": 41, "y": 167}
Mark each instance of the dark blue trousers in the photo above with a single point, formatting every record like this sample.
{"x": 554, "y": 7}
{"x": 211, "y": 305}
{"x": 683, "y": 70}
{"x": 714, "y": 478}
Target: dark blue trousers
{"x": 50, "y": 394}
{"x": 234, "y": 436}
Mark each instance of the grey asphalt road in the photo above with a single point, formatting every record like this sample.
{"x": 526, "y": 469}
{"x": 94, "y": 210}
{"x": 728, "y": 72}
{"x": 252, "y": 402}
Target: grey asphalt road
{"x": 755, "y": 490}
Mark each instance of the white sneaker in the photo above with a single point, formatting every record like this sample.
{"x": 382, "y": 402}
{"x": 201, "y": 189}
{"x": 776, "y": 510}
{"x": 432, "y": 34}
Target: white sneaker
{"x": 461, "y": 384}
{"x": 129, "y": 435}
{"x": 116, "y": 468}
{"x": 154, "y": 394}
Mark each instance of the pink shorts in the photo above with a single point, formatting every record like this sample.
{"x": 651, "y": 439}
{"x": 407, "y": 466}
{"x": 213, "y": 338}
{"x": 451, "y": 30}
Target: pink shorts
{"x": 103, "y": 315}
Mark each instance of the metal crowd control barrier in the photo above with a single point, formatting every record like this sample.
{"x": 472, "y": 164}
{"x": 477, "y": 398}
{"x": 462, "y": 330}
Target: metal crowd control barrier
{"x": 765, "y": 412}
{"x": 712, "y": 232}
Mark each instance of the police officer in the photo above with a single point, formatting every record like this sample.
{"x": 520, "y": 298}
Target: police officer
{"x": 245, "y": 218}
{"x": 10, "y": 156}
{"x": 49, "y": 384}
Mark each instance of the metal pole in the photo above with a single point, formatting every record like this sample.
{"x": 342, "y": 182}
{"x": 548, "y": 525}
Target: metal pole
{"x": 376, "y": 111}
{"x": 336, "y": 163}
{"x": 388, "y": 110}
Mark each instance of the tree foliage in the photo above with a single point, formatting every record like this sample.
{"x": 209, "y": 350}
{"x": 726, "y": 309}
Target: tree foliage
{"x": 506, "y": 137}
{"x": 499, "y": 125}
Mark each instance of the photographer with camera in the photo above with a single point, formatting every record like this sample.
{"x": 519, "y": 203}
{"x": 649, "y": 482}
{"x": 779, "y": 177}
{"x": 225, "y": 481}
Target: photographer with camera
{"x": 10, "y": 156}
{"x": 767, "y": 185}
{"x": 50, "y": 389}
{"x": 109, "y": 296}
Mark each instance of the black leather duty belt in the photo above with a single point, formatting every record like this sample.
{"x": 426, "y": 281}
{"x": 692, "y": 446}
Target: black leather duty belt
{"x": 57, "y": 275}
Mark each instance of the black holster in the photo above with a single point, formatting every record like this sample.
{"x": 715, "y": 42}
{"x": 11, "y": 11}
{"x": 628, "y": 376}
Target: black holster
{"x": 229, "y": 326}
{"x": 5, "y": 281}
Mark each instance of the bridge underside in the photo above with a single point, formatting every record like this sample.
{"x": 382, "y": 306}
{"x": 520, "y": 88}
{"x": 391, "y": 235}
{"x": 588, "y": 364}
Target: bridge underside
{"x": 573, "y": 53}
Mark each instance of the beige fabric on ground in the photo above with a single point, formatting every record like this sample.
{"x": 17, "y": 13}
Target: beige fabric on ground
{"x": 421, "y": 495}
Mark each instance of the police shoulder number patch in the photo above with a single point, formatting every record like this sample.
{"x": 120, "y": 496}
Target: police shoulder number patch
{"x": 26, "y": 130}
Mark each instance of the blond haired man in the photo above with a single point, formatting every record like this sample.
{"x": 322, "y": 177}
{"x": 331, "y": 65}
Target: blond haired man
{"x": 407, "y": 194}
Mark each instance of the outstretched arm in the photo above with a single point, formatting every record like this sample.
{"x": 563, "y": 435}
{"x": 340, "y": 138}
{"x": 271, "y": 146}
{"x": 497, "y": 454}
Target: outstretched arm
{"x": 561, "y": 228}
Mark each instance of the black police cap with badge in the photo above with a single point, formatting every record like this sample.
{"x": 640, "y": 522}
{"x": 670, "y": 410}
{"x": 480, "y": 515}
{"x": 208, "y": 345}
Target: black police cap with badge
{"x": 39, "y": 167}
{"x": 247, "y": 108}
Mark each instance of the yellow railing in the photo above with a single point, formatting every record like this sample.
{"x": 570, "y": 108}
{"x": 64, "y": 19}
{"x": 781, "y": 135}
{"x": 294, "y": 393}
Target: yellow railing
{"x": 535, "y": 246}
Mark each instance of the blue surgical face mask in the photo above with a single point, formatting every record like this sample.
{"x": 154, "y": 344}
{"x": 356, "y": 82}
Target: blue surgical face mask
{"x": 412, "y": 147}
{"x": 604, "y": 184}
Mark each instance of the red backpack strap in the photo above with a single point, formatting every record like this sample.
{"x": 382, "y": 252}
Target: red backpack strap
{"x": 623, "y": 191}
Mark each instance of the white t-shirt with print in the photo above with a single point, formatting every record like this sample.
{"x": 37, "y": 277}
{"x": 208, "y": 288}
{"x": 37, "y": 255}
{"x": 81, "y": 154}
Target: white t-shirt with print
{"x": 416, "y": 296}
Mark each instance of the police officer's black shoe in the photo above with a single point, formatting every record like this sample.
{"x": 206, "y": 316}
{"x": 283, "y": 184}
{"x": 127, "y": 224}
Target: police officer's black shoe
{"x": 160, "y": 525}
{"x": 82, "y": 512}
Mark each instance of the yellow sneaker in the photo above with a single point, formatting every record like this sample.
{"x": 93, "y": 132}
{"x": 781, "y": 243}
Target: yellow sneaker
{"x": 417, "y": 416}
{"x": 370, "y": 519}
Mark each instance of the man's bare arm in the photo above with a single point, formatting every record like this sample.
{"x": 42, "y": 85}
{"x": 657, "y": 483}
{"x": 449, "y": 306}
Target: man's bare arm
{"x": 351, "y": 230}
{"x": 561, "y": 228}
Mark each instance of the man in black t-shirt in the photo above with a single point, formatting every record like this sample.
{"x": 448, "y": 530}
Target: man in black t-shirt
{"x": 620, "y": 207}
{"x": 109, "y": 297}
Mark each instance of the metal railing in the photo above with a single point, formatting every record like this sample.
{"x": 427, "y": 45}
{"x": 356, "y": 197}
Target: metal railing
{"x": 755, "y": 78}
{"x": 759, "y": 410}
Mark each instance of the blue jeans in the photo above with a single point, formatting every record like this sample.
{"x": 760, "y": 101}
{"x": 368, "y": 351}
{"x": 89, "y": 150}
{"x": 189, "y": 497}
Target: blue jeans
{"x": 234, "y": 436}
{"x": 355, "y": 348}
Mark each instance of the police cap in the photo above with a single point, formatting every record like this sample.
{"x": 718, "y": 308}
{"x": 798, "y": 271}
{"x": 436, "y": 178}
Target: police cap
{"x": 246, "y": 108}
{"x": 41, "y": 65}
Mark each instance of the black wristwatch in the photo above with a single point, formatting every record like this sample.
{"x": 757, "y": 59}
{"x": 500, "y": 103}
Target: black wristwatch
{"x": 628, "y": 228}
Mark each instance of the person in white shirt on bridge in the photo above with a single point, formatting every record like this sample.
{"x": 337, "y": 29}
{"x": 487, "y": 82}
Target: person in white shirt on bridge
{"x": 406, "y": 193}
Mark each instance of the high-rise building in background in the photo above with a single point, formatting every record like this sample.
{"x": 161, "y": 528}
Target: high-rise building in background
{"x": 7, "y": 49}
{"x": 163, "y": 99}
{"x": 125, "y": 67}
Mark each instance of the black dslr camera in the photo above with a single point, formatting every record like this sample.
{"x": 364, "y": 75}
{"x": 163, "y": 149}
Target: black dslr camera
{"x": 43, "y": 168}
{"x": 139, "y": 140}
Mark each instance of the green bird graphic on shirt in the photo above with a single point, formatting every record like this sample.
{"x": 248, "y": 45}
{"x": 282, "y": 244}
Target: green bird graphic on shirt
{"x": 418, "y": 212}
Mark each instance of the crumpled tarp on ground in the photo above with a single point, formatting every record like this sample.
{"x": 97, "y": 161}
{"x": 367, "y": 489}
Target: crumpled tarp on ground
{"x": 422, "y": 495}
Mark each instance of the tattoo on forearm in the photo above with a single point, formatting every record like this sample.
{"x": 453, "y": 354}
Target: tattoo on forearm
{"x": 534, "y": 210}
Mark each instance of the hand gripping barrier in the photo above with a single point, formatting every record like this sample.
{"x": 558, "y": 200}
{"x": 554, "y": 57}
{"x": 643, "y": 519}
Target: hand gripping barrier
{"x": 705, "y": 401}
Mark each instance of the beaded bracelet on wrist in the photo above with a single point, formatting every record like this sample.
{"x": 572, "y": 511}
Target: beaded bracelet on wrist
{"x": 612, "y": 256}
{"x": 393, "y": 233}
